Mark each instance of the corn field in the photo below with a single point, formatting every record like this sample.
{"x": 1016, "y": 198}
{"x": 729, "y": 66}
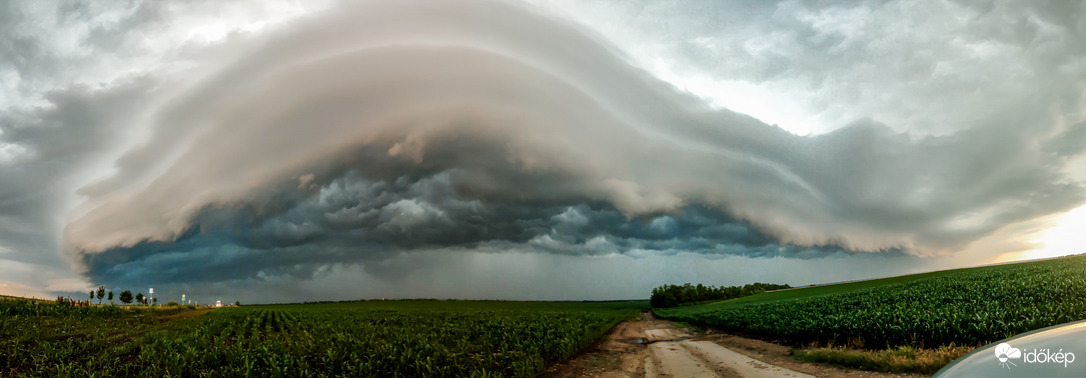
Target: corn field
{"x": 968, "y": 307}
{"x": 388, "y": 339}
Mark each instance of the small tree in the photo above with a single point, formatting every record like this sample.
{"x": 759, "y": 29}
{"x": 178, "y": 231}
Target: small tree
{"x": 139, "y": 298}
{"x": 101, "y": 293}
{"x": 237, "y": 303}
{"x": 92, "y": 295}
{"x": 154, "y": 300}
{"x": 111, "y": 297}
{"x": 126, "y": 297}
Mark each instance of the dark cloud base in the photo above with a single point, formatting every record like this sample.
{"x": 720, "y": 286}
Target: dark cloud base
{"x": 354, "y": 219}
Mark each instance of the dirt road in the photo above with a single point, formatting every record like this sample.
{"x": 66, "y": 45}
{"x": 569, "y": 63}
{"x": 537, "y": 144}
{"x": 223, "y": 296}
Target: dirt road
{"x": 673, "y": 354}
{"x": 650, "y": 347}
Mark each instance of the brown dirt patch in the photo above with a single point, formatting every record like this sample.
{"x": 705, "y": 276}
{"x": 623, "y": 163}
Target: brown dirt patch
{"x": 778, "y": 355}
{"x": 615, "y": 356}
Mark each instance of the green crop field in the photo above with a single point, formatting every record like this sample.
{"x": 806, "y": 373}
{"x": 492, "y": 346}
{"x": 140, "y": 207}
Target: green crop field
{"x": 372, "y": 338}
{"x": 968, "y": 307}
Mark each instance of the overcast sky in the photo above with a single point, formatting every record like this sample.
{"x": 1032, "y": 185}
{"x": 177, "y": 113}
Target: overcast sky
{"x": 279, "y": 151}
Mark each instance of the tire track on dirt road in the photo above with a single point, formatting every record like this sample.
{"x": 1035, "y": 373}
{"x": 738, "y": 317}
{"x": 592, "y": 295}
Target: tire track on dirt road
{"x": 673, "y": 354}
{"x": 655, "y": 348}
{"x": 649, "y": 347}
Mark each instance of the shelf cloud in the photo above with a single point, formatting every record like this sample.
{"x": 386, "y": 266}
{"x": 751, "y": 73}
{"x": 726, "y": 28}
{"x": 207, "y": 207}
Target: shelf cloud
{"x": 367, "y": 130}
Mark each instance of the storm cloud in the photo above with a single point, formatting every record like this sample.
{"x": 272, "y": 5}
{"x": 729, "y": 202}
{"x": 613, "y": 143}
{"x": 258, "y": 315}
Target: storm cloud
{"x": 354, "y": 220}
{"x": 353, "y": 135}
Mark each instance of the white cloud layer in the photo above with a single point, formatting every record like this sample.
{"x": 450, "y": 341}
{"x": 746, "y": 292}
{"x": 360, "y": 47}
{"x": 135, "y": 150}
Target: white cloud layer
{"x": 925, "y": 67}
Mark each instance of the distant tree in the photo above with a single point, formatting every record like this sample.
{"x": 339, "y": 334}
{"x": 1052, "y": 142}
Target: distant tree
{"x": 126, "y": 297}
{"x": 237, "y": 303}
{"x": 101, "y": 293}
{"x": 111, "y": 297}
{"x": 154, "y": 300}
{"x": 676, "y": 295}
{"x": 173, "y": 304}
{"x": 139, "y": 298}
{"x": 92, "y": 295}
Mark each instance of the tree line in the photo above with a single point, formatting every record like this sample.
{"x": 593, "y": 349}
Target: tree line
{"x": 687, "y": 294}
{"x": 125, "y": 297}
